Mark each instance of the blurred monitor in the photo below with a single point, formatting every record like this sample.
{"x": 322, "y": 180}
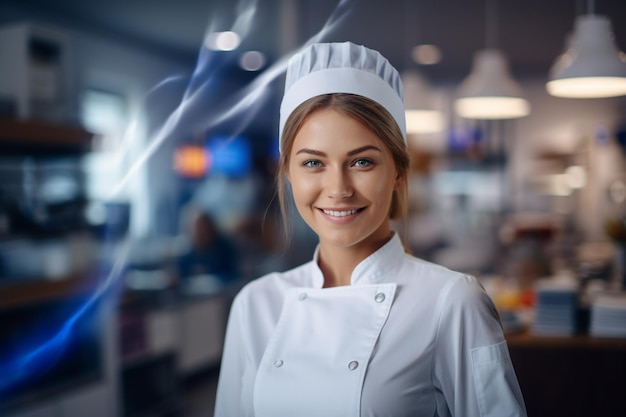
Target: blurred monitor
{"x": 229, "y": 156}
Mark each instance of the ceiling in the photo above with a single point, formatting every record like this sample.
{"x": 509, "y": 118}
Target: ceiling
{"x": 530, "y": 32}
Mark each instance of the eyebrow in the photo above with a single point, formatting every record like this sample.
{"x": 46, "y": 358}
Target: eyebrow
{"x": 351, "y": 153}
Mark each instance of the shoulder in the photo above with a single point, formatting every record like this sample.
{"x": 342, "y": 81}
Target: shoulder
{"x": 464, "y": 300}
{"x": 422, "y": 272}
{"x": 451, "y": 289}
{"x": 466, "y": 290}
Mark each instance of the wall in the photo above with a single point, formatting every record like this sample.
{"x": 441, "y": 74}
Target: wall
{"x": 114, "y": 67}
{"x": 100, "y": 62}
{"x": 570, "y": 131}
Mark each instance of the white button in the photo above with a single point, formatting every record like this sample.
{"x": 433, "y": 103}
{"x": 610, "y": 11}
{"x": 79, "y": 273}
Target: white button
{"x": 380, "y": 297}
{"x": 353, "y": 365}
{"x": 278, "y": 363}
{"x": 302, "y": 296}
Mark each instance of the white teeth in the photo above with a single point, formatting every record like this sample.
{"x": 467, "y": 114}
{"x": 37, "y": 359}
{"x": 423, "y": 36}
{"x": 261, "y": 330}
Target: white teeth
{"x": 340, "y": 213}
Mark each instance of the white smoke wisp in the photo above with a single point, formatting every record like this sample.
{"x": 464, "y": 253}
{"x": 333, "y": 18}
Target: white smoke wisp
{"x": 245, "y": 104}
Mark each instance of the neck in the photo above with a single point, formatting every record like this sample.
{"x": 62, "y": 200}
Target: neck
{"x": 337, "y": 266}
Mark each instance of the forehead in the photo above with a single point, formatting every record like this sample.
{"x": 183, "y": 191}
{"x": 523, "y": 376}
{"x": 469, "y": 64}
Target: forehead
{"x": 334, "y": 130}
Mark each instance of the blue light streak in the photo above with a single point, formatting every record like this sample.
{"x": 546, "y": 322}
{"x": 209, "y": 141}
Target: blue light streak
{"x": 242, "y": 106}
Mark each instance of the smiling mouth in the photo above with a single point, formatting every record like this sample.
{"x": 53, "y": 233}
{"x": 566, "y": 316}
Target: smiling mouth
{"x": 341, "y": 213}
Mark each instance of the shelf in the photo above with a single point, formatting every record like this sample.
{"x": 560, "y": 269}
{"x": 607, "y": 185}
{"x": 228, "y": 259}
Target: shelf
{"x": 32, "y": 136}
{"x": 571, "y": 376}
{"x": 21, "y": 294}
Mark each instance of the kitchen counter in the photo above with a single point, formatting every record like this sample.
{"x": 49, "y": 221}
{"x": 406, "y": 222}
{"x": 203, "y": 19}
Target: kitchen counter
{"x": 570, "y": 376}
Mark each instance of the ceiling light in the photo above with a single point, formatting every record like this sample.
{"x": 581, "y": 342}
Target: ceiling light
{"x": 617, "y": 191}
{"x": 222, "y": 41}
{"x": 252, "y": 61}
{"x": 576, "y": 176}
{"x": 426, "y": 54}
{"x": 592, "y": 66}
{"x": 421, "y": 116}
{"x": 424, "y": 121}
{"x": 489, "y": 92}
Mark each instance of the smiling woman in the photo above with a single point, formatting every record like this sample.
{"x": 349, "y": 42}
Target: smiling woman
{"x": 371, "y": 117}
{"x": 364, "y": 329}
{"x": 343, "y": 180}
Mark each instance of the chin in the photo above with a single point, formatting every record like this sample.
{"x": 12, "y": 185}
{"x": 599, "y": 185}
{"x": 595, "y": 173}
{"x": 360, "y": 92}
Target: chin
{"x": 343, "y": 240}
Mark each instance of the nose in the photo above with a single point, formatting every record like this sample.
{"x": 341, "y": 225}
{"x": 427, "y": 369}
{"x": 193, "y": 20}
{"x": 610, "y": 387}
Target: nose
{"x": 339, "y": 185}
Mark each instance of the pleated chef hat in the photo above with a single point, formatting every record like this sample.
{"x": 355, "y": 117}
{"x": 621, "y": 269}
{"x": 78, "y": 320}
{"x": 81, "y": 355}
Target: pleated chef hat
{"x": 325, "y": 68}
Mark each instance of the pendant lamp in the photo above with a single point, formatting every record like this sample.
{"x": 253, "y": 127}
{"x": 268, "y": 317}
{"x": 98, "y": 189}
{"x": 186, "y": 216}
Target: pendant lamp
{"x": 489, "y": 92}
{"x": 591, "y": 66}
{"x": 421, "y": 117}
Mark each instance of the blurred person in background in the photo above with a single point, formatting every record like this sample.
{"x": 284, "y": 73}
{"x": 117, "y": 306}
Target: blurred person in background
{"x": 208, "y": 251}
{"x": 364, "y": 329}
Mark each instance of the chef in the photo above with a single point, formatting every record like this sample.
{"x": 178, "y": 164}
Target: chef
{"x": 364, "y": 328}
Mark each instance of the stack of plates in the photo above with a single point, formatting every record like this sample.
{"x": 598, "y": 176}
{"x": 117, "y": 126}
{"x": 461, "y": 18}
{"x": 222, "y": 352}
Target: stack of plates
{"x": 608, "y": 316}
{"x": 555, "y": 312}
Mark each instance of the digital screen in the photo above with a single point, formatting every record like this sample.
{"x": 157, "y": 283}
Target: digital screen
{"x": 192, "y": 161}
{"x": 229, "y": 155}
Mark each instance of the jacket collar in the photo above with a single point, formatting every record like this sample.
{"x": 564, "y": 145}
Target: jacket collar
{"x": 374, "y": 269}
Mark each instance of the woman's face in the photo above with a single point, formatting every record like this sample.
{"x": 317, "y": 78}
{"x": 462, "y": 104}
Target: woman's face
{"x": 343, "y": 178}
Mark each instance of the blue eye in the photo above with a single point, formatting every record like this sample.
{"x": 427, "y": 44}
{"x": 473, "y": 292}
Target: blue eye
{"x": 312, "y": 164}
{"x": 363, "y": 163}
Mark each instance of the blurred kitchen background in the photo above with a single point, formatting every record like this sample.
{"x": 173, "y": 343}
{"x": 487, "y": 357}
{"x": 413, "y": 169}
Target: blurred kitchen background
{"x": 137, "y": 160}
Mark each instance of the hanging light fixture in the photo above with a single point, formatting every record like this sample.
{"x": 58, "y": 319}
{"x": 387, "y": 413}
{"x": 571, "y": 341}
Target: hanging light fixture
{"x": 591, "y": 66}
{"x": 421, "y": 117}
{"x": 490, "y": 92}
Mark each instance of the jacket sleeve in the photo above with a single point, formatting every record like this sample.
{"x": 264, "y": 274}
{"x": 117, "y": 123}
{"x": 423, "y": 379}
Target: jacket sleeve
{"x": 229, "y": 387}
{"x": 472, "y": 367}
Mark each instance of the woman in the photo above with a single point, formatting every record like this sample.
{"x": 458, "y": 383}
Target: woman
{"x": 364, "y": 329}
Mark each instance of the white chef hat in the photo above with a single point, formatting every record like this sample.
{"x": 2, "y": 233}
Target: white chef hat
{"x": 325, "y": 68}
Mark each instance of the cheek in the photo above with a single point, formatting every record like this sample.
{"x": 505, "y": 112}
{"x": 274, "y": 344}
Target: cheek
{"x": 303, "y": 187}
{"x": 379, "y": 187}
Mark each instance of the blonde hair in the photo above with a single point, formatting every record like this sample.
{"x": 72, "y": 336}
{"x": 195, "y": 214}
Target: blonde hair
{"x": 373, "y": 116}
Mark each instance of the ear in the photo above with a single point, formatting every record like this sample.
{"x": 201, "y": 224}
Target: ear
{"x": 399, "y": 182}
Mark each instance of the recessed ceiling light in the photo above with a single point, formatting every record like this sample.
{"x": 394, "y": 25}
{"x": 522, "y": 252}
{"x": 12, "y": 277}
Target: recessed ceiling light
{"x": 252, "y": 60}
{"x": 426, "y": 54}
{"x": 222, "y": 41}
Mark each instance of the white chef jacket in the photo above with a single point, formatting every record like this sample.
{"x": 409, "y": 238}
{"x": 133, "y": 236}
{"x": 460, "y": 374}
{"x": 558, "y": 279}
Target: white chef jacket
{"x": 407, "y": 338}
